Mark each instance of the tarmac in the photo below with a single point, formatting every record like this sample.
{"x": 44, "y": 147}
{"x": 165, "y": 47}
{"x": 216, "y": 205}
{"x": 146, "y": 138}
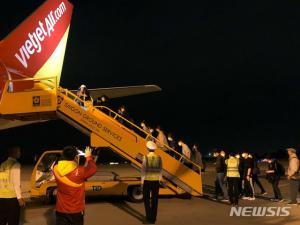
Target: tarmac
{"x": 172, "y": 210}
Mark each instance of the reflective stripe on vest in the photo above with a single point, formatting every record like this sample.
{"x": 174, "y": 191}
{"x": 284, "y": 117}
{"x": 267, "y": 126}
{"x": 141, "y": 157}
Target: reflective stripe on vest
{"x": 65, "y": 180}
{"x": 232, "y": 167}
{"x": 153, "y": 167}
{"x": 7, "y": 189}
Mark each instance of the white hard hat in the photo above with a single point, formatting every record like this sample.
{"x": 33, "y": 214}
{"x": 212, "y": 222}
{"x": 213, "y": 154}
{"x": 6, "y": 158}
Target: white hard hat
{"x": 151, "y": 145}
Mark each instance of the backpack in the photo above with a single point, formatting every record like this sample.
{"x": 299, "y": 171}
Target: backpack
{"x": 280, "y": 170}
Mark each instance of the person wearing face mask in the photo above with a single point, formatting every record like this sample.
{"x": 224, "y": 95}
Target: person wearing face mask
{"x": 248, "y": 173}
{"x": 241, "y": 171}
{"x": 256, "y": 172}
{"x": 173, "y": 144}
{"x": 197, "y": 158}
{"x": 148, "y": 131}
{"x": 221, "y": 171}
{"x": 273, "y": 176}
{"x": 122, "y": 111}
{"x": 162, "y": 142}
{"x": 186, "y": 152}
{"x": 103, "y": 101}
{"x": 84, "y": 99}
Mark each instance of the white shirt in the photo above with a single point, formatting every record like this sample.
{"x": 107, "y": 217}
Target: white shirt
{"x": 162, "y": 140}
{"x": 186, "y": 151}
{"x": 293, "y": 165}
{"x": 15, "y": 177}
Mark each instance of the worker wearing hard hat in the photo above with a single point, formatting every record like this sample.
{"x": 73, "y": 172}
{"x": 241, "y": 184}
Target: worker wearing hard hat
{"x": 151, "y": 175}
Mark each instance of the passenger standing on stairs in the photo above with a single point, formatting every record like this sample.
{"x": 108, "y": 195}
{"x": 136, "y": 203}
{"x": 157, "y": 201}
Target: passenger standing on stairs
{"x": 162, "y": 139}
{"x": 84, "y": 95}
{"x": 151, "y": 176}
{"x": 173, "y": 144}
{"x": 186, "y": 151}
{"x": 70, "y": 178}
{"x": 103, "y": 101}
{"x": 197, "y": 158}
{"x": 122, "y": 111}
{"x": 147, "y": 129}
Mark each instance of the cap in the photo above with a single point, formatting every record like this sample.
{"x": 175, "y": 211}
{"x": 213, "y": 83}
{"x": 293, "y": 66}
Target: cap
{"x": 151, "y": 145}
{"x": 291, "y": 149}
{"x": 82, "y": 86}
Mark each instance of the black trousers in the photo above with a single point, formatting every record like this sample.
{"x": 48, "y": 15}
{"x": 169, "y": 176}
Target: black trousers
{"x": 241, "y": 186}
{"x": 150, "y": 192}
{"x": 248, "y": 187}
{"x": 294, "y": 187}
{"x": 9, "y": 211}
{"x": 233, "y": 189}
{"x": 69, "y": 218}
{"x": 276, "y": 190}
{"x": 257, "y": 181}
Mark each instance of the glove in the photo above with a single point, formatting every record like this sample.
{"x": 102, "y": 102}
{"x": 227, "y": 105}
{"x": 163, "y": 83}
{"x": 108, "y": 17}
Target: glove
{"x": 88, "y": 153}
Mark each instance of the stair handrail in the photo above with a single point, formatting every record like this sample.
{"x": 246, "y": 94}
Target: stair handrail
{"x": 148, "y": 135}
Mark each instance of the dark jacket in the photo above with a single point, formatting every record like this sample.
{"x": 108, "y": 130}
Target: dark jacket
{"x": 256, "y": 169}
{"x": 241, "y": 166}
{"x": 220, "y": 164}
{"x": 273, "y": 176}
{"x": 248, "y": 163}
{"x": 70, "y": 180}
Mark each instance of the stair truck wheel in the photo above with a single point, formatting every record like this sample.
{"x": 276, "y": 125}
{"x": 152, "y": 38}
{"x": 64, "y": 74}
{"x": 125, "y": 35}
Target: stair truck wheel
{"x": 135, "y": 194}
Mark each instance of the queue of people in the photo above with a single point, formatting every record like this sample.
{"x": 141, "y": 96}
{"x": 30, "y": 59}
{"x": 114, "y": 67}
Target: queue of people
{"x": 70, "y": 177}
{"x": 235, "y": 176}
{"x": 192, "y": 158}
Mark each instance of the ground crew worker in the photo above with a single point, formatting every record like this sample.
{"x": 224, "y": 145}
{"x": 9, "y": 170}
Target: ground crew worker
{"x": 151, "y": 175}
{"x": 10, "y": 189}
{"x": 233, "y": 179}
{"x": 70, "y": 178}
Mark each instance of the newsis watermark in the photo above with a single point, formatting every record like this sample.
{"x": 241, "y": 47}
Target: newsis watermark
{"x": 259, "y": 211}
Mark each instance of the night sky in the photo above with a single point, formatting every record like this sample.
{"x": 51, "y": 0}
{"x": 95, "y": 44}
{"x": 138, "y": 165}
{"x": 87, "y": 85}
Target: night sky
{"x": 228, "y": 69}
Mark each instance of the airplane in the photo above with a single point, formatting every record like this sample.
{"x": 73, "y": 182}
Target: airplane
{"x": 36, "y": 49}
